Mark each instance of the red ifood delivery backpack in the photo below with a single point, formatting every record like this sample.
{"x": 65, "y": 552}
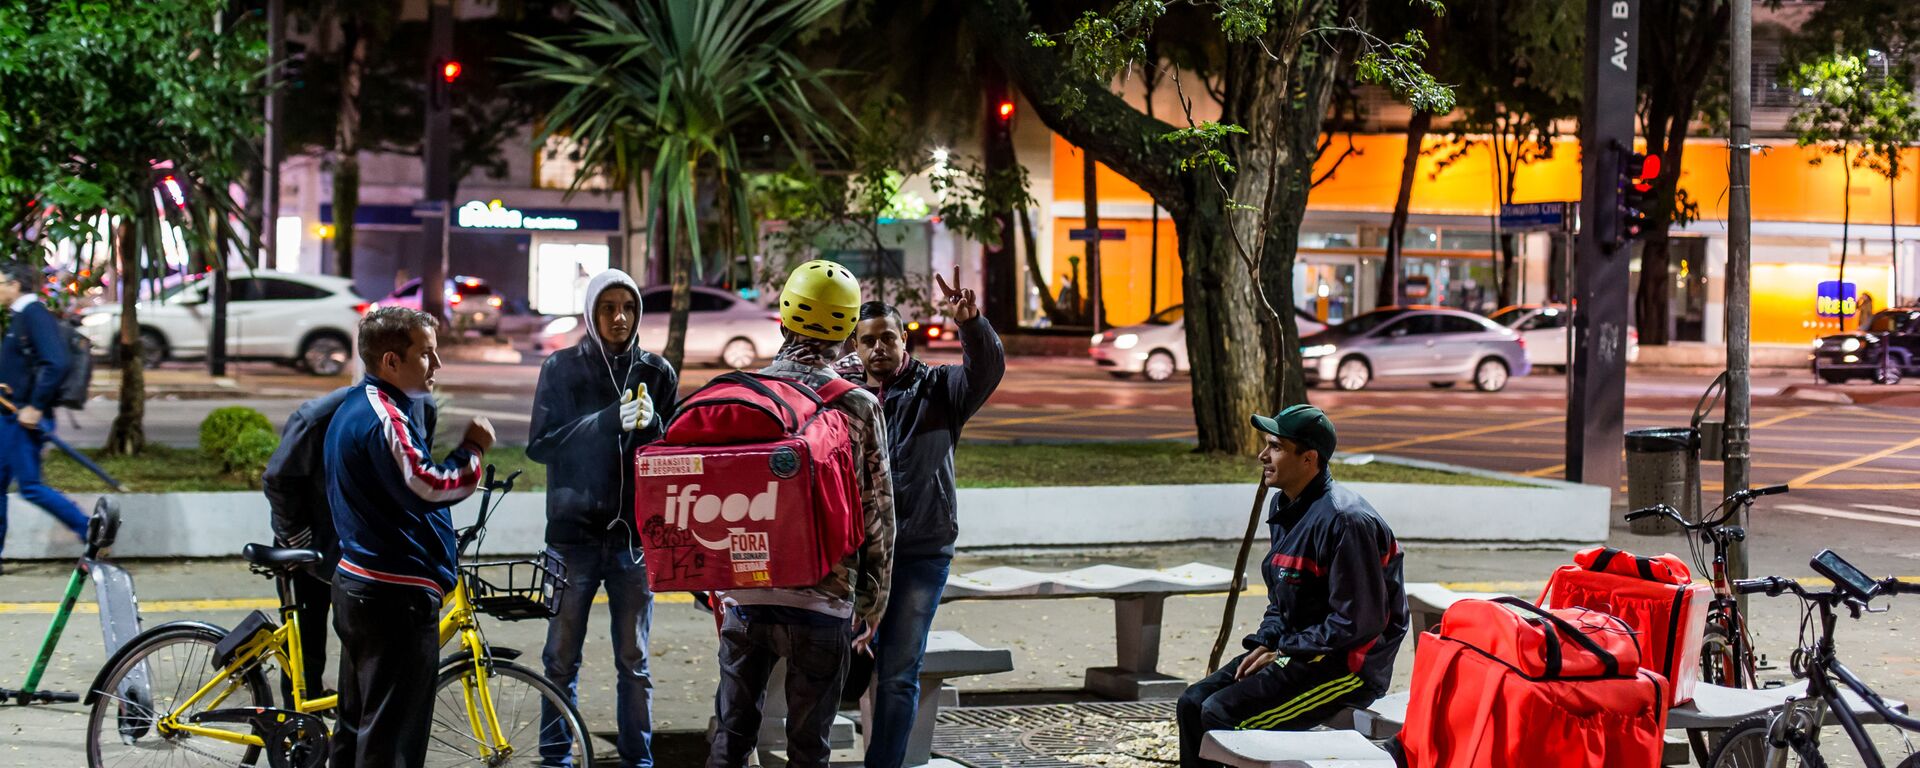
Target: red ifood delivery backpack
{"x": 1504, "y": 684}
{"x": 1654, "y": 595}
{"x": 753, "y": 485}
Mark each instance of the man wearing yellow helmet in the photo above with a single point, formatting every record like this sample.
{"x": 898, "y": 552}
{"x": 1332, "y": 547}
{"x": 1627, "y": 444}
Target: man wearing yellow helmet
{"x": 815, "y": 629}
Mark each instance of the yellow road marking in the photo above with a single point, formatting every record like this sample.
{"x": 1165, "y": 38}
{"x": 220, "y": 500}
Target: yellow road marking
{"x": 1860, "y": 487}
{"x": 1871, "y": 457}
{"x": 1544, "y": 471}
{"x": 1465, "y": 433}
{"x": 1170, "y": 435}
{"x": 236, "y": 604}
{"x": 1785, "y": 417}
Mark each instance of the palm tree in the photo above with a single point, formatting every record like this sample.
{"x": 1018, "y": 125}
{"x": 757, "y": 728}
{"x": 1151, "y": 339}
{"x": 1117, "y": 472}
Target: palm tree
{"x": 667, "y": 82}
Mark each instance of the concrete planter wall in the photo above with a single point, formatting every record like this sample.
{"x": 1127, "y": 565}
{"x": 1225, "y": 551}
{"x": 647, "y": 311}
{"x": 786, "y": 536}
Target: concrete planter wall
{"x": 1539, "y": 513}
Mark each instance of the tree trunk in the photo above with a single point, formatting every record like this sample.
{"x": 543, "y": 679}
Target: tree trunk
{"x": 681, "y": 255}
{"x": 346, "y": 144}
{"x": 1893, "y": 231}
{"x": 128, "y": 434}
{"x": 1393, "y": 268}
{"x": 1681, "y": 48}
{"x": 1233, "y": 372}
{"x": 1846, "y": 219}
{"x": 1230, "y": 372}
{"x": 1096, "y": 295}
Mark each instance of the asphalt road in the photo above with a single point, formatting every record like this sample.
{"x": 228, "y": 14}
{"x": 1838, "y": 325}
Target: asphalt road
{"x": 1855, "y": 469}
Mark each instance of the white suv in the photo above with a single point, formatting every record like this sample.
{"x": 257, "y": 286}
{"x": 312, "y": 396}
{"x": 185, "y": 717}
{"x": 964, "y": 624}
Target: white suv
{"x": 307, "y": 321}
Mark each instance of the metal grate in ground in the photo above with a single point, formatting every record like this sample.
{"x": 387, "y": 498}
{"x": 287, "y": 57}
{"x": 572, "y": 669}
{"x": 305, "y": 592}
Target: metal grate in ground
{"x": 1045, "y": 736}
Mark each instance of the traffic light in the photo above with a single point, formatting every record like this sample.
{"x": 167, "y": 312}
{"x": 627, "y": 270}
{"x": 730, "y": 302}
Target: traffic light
{"x": 1004, "y": 110}
{"x": 1633, "y": 195}
{"x": 445, "y": 73}
{"x": 293, "y": 70}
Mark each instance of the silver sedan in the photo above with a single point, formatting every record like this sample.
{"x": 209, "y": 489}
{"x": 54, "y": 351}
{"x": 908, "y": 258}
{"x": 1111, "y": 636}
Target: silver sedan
{"x": 1438, "y": 345}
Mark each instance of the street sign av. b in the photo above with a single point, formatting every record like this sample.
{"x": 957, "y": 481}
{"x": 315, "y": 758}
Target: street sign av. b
{"x": 1105, "y": 234}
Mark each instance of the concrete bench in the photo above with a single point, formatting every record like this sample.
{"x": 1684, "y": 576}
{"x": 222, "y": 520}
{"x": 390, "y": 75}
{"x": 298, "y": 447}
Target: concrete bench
{"x": 949, "y": 655}
{"x": 1293, "y": 749}
{"x": 1139, "y": 596}
{"x": 1427, "y": 602}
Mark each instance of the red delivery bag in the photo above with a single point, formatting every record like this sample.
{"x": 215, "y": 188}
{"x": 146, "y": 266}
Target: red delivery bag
{"x": 753, "y": 485}
{"x": 1654, "y": 595}
{"x": 1504, "y": 684}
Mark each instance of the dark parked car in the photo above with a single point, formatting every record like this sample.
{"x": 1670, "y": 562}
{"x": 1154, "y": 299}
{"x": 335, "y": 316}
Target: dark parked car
{"x": 1887, "y": 349}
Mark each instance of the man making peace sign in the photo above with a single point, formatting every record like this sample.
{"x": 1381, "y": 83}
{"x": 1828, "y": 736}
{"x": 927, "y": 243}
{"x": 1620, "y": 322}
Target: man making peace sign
{"x": 926, "y": 405}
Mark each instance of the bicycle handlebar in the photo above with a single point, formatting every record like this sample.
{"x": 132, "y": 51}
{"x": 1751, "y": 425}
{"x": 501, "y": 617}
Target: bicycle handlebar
{"x": 1734, "y": 501}
{"x": 1658, "y": 509}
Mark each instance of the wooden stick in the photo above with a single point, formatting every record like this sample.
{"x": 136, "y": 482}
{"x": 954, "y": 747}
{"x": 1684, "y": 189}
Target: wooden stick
{"x": 1239, "y": 568}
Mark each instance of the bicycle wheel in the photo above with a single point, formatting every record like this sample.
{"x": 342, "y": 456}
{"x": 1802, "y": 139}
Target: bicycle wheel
{"x": 170, "y": 662}
{"x": 519, "y": 696}
{"x": 1912, "y": 761}
{"x": 1745, "y": 746}
{"x": 1717, "y": 665}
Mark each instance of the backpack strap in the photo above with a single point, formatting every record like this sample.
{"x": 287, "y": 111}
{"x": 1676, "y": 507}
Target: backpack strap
{"x": 834, "y": 389}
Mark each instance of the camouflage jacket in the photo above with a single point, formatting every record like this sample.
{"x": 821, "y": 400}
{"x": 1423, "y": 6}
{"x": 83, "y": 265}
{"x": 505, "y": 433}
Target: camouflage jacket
{"x": 857, "y": 585}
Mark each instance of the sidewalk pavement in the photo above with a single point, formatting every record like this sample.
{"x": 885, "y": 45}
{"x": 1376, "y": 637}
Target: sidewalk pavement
{"x": 1053, "y": 641}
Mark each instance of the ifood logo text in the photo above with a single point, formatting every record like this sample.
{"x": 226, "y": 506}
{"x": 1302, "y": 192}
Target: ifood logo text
{"x": 686, "y": 504}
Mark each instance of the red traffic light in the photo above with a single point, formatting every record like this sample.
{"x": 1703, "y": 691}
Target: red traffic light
{"x": 450, "y": 71}
{"x": 1648, "y": 171}
{"x": 1005, "y": 110}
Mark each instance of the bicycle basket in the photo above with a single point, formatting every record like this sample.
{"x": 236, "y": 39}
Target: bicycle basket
{"x": 513, "y": 590}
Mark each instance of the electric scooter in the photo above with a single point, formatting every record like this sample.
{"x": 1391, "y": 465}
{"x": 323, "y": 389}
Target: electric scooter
{"x": 119, "y": 611}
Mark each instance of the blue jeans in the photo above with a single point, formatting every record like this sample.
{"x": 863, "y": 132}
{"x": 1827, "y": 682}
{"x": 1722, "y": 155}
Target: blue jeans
{"x": 817, "y": 648}
{"x": 588, "y": 567}
{"x": 20, "y": 462}
{"x": 898, "y": 649}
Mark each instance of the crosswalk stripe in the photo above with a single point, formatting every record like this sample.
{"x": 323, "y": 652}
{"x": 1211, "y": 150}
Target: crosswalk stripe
{"x": 1891, "y": 509}
{"x": 1845, "y": 515}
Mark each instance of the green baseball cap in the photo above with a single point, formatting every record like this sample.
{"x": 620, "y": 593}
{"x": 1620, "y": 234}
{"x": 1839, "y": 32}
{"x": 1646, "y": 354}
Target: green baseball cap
{"x": 1303, "y": 424}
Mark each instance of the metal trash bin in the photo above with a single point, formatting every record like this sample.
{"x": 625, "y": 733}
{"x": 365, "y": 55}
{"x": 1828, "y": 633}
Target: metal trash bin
{"x": 1663, "y": 467}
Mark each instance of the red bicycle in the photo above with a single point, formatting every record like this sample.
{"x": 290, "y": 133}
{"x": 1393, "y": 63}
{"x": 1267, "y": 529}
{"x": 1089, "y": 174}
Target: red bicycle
{"x": 1726, "y": 657}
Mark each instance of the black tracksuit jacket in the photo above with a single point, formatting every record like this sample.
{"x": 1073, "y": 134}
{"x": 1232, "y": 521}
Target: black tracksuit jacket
{"x": 1334, "y": 582}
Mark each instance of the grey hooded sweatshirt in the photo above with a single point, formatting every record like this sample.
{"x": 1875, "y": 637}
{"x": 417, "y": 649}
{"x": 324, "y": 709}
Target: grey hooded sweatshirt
{"x": 576, "y": 424}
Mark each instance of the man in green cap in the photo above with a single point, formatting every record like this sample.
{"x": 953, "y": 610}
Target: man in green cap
{"x": 1336, "y": 599}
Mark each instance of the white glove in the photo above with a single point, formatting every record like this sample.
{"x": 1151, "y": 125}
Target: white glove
{"x": 636, "y": 412}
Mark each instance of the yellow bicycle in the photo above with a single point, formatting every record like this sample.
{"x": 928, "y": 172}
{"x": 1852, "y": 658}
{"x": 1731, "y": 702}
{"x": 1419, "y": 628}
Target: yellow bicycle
{"x": 191, "y": 693}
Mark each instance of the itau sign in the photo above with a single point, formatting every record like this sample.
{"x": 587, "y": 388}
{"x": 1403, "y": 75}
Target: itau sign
{"x": 1837, "y": 299}
{"x": 493, "y": 215}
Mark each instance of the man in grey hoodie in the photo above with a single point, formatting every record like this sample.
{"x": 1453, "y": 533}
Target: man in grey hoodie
{"x": 597, "y": 402}
{"x": 816, "y": 629}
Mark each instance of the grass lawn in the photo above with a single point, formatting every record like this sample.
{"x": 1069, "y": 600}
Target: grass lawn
{"x": 166, "y": 470}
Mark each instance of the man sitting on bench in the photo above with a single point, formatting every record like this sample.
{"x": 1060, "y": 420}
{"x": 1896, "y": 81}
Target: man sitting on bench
{"x": 1337, "y": 604}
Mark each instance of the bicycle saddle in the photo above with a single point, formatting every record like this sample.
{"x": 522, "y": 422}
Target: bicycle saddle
{"x": 276, "y": 557}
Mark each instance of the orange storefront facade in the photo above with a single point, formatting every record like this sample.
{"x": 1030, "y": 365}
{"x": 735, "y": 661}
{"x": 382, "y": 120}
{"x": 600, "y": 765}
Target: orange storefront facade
{"x": 1798, "y": 208}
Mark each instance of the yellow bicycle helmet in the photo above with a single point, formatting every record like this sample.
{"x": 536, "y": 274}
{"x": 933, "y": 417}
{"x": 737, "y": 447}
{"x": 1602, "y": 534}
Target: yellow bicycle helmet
{"x": 820, "y": 300}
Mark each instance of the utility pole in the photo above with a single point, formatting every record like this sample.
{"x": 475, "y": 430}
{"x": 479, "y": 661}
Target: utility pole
{"x": 1739, "y": 271}
{"x": 999, "y": 279}
{"x": 435, "y": 210}
{"x": 1597, "y": 376}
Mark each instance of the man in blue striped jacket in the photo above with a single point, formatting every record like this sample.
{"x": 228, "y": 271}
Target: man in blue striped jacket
{"x": 390, "y": 504}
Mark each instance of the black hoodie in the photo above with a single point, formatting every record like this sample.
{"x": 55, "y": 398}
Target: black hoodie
{"x": 576, "y": 425}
